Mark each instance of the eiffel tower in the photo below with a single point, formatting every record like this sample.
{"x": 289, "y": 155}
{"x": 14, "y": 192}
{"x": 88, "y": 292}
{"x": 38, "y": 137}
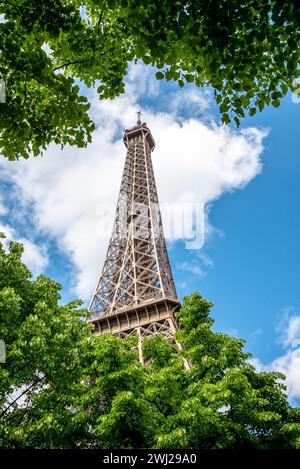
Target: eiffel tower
{"x": 136, "y": 291}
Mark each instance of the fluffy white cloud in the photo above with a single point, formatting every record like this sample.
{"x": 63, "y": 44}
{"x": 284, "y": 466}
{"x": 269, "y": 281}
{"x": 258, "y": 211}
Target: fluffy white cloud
{"x": 288, "y": 363}
{"x": 292, "y": 334}
{"x": 190, "y": 101}
{"x": 141, "y": 82}
{"x": 72, "y": 193}
{"x": 288, "y": 328}
{"x": 34, "y": 256}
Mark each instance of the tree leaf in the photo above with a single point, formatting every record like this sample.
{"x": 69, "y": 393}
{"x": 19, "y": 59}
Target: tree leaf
{"x": 159, "y": 75}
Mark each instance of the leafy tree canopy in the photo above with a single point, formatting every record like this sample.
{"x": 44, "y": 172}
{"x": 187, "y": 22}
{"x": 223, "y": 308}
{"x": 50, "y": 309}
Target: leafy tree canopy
{"x": 246, "y": 50}
{"x": 62, "y": 387}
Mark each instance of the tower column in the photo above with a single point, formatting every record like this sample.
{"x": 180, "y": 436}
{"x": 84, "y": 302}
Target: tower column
{"x": 140, "y": 338}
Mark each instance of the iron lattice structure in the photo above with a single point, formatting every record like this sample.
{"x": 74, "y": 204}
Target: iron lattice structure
{"x": 136, "y": 291}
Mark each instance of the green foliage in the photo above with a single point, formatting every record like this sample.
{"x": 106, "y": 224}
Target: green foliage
{"x": 43, "y": 366}
{"x": 248, "y": 52}
{"x": 62, "y": 387}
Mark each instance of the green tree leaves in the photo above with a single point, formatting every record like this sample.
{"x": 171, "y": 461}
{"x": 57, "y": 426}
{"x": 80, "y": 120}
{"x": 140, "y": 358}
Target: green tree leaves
{"x": 159, "y": 75}
{"x": 62, "y": 387}
{"x": 249, "y": 54}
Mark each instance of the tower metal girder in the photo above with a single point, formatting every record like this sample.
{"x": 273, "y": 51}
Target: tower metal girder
{"x": 136, "y": 291}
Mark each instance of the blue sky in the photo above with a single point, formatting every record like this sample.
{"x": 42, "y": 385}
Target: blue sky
{"x": 257, "y": 256}
{"x": 247, "y": 180}
{"x": 255, "y": 280}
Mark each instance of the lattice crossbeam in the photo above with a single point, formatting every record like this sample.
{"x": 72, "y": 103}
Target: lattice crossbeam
{"x": 136, "y": 268}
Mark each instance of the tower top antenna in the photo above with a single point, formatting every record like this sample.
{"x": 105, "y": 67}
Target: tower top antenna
{"x": 139, "y": 113}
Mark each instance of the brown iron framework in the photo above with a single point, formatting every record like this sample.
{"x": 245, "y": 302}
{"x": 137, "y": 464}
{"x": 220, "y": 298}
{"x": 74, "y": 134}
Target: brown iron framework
{"x": 136, "y": 291}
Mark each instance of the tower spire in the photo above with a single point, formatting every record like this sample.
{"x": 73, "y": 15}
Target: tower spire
{"x": 139, "y": 113}
{"x": 136, "y": 291}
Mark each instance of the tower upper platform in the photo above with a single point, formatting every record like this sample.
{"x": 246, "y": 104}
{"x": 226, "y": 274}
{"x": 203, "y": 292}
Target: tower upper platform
{"x": 139, "y": 130}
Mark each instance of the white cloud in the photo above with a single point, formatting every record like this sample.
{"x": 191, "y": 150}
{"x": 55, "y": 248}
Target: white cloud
{"x": 197, "y": 265}
{"x": 141, "y": 81}
{"x": 68, "y": 190}
{"x": 8, "y": 231}
{"x": 288, "y": 328}
{"x": 34, "y": 257}
{"x": 292, "y": 333}
{"x": 205, "y": 259}
{"x": 191, "y": 101}
{"x": 288, "y": 363}
{"x": 191, "y": 267}
{"x": 3, "y": 209}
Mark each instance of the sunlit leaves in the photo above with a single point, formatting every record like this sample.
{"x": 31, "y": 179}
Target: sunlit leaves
{"x": 249, "y": 54}
{"x": 62, "y": 387}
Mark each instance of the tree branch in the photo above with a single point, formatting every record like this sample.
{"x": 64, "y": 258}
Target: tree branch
{"x": 25, "y": 88}
{"x": 156, "y": 404}
{"x": 16, "y": 5}
{"x": 73, "y": 63}
{"x": 100, "y": 18}
{"x": 101, "y": 13}
{"x": 22, "y": 394}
